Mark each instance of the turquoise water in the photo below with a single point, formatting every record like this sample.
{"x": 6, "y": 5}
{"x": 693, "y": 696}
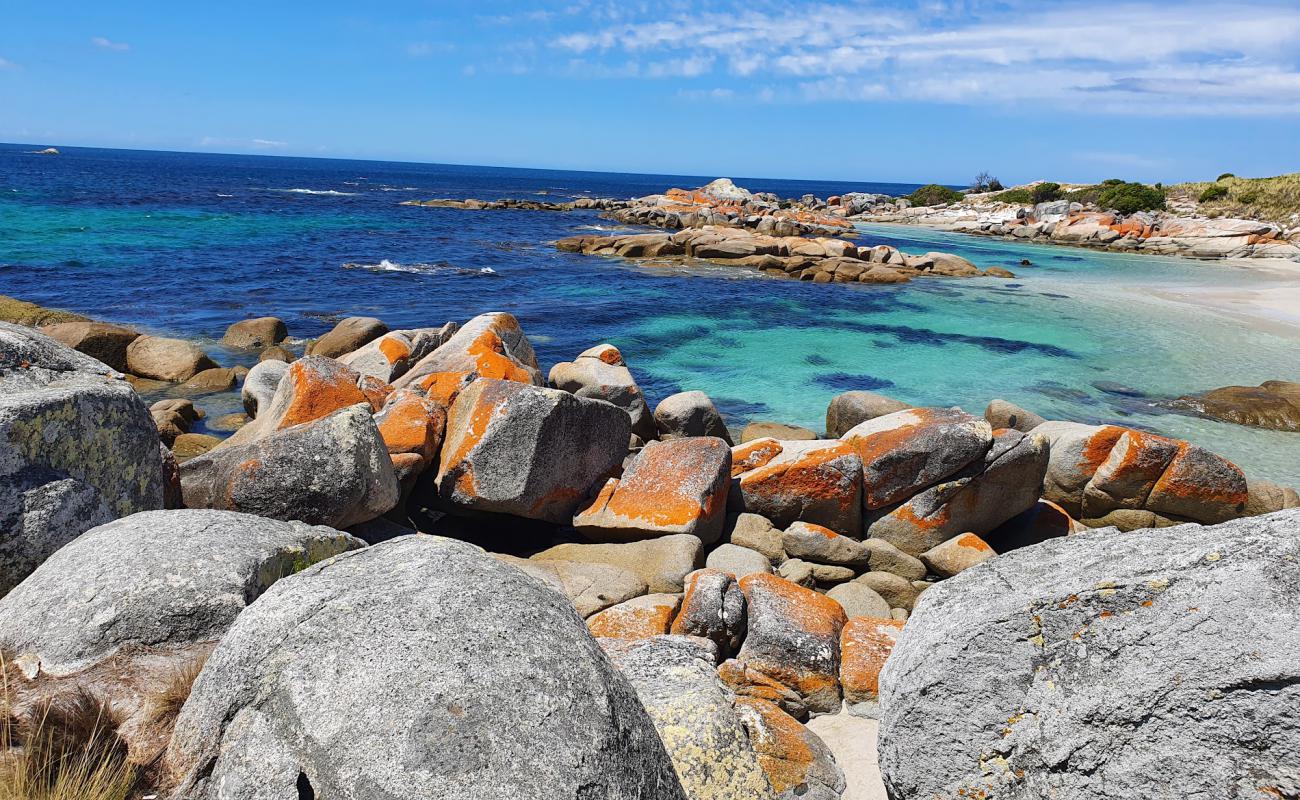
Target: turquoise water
{"x": 184, "y": 245}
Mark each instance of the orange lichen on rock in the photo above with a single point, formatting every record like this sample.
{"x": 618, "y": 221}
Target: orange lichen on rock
{"x": 973, "y": 542}
{"x": 411, "y": 423}
{"x": 638, "y": 618}
{"x": 865, "y": 645}
{"x": 1200, "y": 485}
{"x": 467, "y": 423}
{"x": 1098, "y": 447}
{"x": 753, "y": 455}
{"x": 492, "y": 361}
{"x": 785, "y": 751}
{"x": 822, "y": 485}
{"x": 318, "y": 387}
{"x": 444, "y": 387}
{"x": 375, "y": 390}
{"x": 394, "y": 348}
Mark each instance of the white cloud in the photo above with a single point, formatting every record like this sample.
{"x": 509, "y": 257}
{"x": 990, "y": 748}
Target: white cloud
{"x": 1196, "y": 58}
{"x": 7, "y": 64}
{"x": 241, "y": 144}
{"x": 109, "y": 44}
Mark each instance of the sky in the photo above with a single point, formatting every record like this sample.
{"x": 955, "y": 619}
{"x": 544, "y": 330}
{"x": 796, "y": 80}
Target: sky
{"x": 935, "y": 90}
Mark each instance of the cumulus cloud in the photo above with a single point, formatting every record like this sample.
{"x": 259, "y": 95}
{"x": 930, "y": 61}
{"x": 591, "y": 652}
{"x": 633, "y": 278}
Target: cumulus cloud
{"x": 109, "y": 44}
{"x": 1139, "y": 57}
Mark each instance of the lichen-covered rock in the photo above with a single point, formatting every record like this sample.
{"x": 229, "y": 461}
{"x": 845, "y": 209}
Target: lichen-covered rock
{"x": 957, "y": 554}
{"x": 907, "y": 451}
{"x": 153, "y": 579}
{"x": 679, "y": 486}
{"x": 795, "y": 760}
{"x": 695, "y": 715}
{"x": 865, "y": 645}
{"x": 662, "y": 563}
{"x": 255, "y": 334}
{"x": 78, "y": 448}
{"x": 793, "y": 637}
{"x": 164, "y": 359}
{"x": 713, "y": 608}
{"x": 392, "y": 355}
{"x": 788, "y": 482}
{"x": 737, "y": 561}
{"x": 99, "y": 340}
{"x": 260, "y": 385}
{"x": 1160, "y": 663}
{"x": 333, "y": 471}
{"x": 601, "y": 374}
{"x": 1076, "y": 451}
{"x": 349, "y": 334}
{"x": 823, "y": 545}
{"x": 409, "y": 422}
{"x": 416, "y": 668}
{"x": 591, "y": 587}
{"x": 689, "y": 414}
{"x": 514, "y": 448}
{"x": 488, "y": 346}
{"x": 311, "y": 388}
{"x": 639, "y": 618}
{"x": 1005, "y": 482}
{"x": 850, "y": 409}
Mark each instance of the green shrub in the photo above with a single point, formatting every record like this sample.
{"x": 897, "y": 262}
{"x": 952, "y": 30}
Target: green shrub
{"x": 1224, "y": 177}
{"x": 1046, "y": 192}
{"x": 934, "y": 195}
{"x": 1248, "y": 198}
{"x": 1018, "y": 196}
{"x": 1213, "y": 192}
{"x": 1127, "y": 198}
{"x": 1112, "y": 182}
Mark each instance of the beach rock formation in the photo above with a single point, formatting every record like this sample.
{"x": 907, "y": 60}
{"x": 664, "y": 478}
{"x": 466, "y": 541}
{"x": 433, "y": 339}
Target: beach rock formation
{"x": 850, "y": 409}
{"x": 349, "y": 334}
{"x": 78, "y": 448}
{"x": 255, "y": 334}
{"x": 591, "y": 587}
{"x": 174, "y": 360}
{"x": 639, "y": 618}
{"x": 786, "y": 482}
{"x": 340, "y": 678}
{"x": 663, "y": 563}
{"x": 99, "y": 340}
{"x": 689, "y": 414}
{"x": 713, "y": 608}
{"x": 677, "y": 486}
{"x": 488, "y": 346}
{"x": 260, "y": 385}
{"x": 601, "y": 374}
{"x": 1159, "y": 663}
{"x": 332, "y": 471}
{"x": 1273, "y": 404}
{"x": 390, "y": 356}
{"x": 520, "y": 449}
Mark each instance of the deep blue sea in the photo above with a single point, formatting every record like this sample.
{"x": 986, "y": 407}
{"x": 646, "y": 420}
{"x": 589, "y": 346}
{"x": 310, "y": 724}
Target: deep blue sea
{"x": 184, "y": 244}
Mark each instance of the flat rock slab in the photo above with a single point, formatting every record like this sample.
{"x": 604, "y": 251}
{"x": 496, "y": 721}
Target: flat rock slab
{"x": 1158, "y": 664}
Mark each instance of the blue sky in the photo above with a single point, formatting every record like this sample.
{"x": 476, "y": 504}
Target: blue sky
{"x": 906, "y": 91}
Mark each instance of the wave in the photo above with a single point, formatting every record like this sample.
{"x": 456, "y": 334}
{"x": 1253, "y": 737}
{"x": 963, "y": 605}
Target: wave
{"x": 434, "y": 268}
{"x": 219, "y": 194}
{"x": 330, "y": 192}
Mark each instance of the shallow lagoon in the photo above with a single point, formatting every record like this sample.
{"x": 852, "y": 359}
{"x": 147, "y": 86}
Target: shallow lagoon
{"x": 187, "y": 244}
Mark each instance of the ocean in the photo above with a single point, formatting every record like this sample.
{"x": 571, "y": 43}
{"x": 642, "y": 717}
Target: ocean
{"x": 184, "y": 244}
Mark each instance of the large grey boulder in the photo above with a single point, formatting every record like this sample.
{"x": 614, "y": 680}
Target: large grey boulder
{"x": 417, "y": 668}
{"x": 1157, "y": 664}
{"x": 349, "y": 334}
{"x": 600, "y": 373}
{"x": 332, "y": 471}
{"x": 390, "y": 356}
{"x": 99, "y": 340}
{"x": 260, "y": 384}
{"x": 166, "y": 359}
{"x": 515, "y": 448}
{"x": 153, "y": 579}
{"x": 695, "y": 714}
{"x": 78, "y": 448}
{"x": 689, "y": 414}
{"x": 490, "y": 345}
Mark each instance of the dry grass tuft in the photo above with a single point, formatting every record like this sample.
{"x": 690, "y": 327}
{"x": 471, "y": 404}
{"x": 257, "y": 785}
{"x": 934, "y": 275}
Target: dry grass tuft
{"x": 66, "y": 748}
{"x": 166, "y": 703}
{"x": 1270, "y": 199}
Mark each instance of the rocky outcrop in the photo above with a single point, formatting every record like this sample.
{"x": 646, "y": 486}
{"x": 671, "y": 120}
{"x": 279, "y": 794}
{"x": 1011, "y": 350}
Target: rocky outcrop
{"x": 514, "y": 204}
{"x": 689, "y": 414}
{"x": 488, "y": 346}
{"x": 678, "y": 486}
{"x": 349, "y": 334}
{"x": 520, "y": 449}
{"x": 663, "y": 563}
{"x": 332, "y": 471}
{"x": 163, "y": 359}
{"x": 639, "y": 618}
{"x": 99, "y": 340}
{"x": 431, "y": 641}
{"x": 591, "y": 587}
{"x": 818, "y": 482}
{"x": 255, "y": 334}
{"x": 78, "y": 449}
{"x": 392, "y": 355}
{"x": 850, "y": 409}
{"x": 1151, "y": 664}
{"x": 1273, "y": 404}
{"x": 600, "y": 373}
{"x": 260, "y": 384}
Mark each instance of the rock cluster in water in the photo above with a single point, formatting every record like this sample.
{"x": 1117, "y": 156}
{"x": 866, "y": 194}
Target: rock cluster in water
{"x": 648, "y": 610}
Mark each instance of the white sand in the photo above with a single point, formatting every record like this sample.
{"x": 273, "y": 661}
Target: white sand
{"x": 1271, "y": 304}
{"x": 853, "y": 741}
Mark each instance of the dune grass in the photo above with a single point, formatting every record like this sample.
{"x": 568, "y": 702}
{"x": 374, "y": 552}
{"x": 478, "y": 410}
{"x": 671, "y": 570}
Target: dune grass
{"x": 63, "y": 750}
{"x": 1274, "y": 199}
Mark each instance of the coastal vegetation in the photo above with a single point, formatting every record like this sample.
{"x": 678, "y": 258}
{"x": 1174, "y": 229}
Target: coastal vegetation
{"x": 934, "y": 194}
{"x": 1276, "y": 198}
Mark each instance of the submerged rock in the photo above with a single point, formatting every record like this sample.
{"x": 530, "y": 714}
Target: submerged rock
{"x": 416, "y": 668}
{"x": 1273, "y": 404}
{"x": 1160, "y": 663}
{"x": 78, "y": 448}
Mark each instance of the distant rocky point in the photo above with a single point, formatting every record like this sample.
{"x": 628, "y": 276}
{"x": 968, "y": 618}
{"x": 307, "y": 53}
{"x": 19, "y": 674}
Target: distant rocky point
{"x": 49, "y": 151}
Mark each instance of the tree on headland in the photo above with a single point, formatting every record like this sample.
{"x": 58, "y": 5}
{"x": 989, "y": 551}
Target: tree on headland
{"x": 1045, "y": 192}
{"x": 984, "y": 182}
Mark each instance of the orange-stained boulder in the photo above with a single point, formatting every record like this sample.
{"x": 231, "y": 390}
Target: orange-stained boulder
{"x": 713, "y": 608}
{"x": 514, "y": 448}
{"x": 679, "y": 486}
{"x": 818, "y": 482}
{"x": 488, "y": 346}
{"x": 600, "y": 373}
{"x": 957, "y": 554}
{"x": 1077, "y": 450}
{"x": 793, "y": 637}
{"x": 1129, "y": 473}
{"x": 375, "y": 390}
{"x": 638, "y": 618}
{"x": 411, "y": 423}
{"x": 1201, "y": 486}
{"x": 910, "y": 450}
{"x": 748, "y": 682}
{"x": 390, "y": 356}
{"x": 754, "y": 454}
{"x": 311, "y": 388}
{"x": 865, "y": 645}
{"x": 796, "y": 761}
